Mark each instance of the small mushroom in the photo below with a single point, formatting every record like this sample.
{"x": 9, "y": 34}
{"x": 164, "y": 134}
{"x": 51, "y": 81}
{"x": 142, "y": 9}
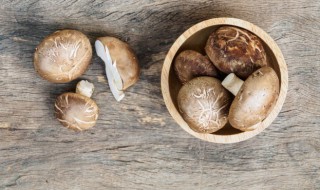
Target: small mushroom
{"x": 63, "y": 56}
{"x": 77, "y": 111}
{"x": 254, "y": 99}
{"x": 121, "y": 63}
{"x": 190, "y": 64}
{"x": 235, "y": 50}
{"x": 204, "y": 104}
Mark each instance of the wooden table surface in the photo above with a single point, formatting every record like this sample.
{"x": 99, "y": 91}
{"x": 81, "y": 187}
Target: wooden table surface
{"x": 136, "y": 144}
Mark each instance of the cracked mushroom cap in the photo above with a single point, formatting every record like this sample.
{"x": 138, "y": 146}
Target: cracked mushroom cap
{"x": 126, "y": 60}
{"x": 204, "y": 103}
{"x": 235, "y": 50}
{"x": 76, "y": 111}
{"x": 255, "y": 99}
{"x": 63, "y": 56}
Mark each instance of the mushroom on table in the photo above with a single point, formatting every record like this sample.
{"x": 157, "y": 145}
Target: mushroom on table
{"x": 63, "y": 56}
{"x": 121, "y": 64}
{"x": 77, "y": 111}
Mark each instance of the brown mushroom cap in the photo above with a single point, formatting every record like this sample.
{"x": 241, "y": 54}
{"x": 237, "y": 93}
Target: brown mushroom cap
{"x": 63, "y": 56}
{"x": 255, "y": 99}
{"x": 235, "y": 50}
{"x": 190, "y": 64}
{"x": 76, "y": 111}
{"x": 204, "y": 104}
{"x": 126, "y": 61}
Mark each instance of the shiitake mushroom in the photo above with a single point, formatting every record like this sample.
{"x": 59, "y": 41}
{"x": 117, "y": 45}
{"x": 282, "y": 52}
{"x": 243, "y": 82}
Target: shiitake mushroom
{"x": 190, "y": 64}
{"x": 77, "y": 111}
{"x": 122, "y": 67}
{"x": 254, "y": 98}
{"x": 63, "y": 56}
{"x": 235, "y": 50}
{"x": 204, "y": 103}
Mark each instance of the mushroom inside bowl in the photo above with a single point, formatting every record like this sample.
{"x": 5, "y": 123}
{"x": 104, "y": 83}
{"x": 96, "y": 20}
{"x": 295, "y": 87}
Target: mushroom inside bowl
{"x": 195, "y": 38}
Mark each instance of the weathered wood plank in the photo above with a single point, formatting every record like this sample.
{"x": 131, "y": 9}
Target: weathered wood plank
{"x": 136, "y": 144}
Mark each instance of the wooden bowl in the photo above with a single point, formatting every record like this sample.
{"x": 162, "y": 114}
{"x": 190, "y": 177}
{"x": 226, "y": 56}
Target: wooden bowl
{"x": 195, "y": 38}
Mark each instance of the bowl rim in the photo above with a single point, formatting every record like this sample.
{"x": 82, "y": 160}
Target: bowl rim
{"x": 225, "y": 139}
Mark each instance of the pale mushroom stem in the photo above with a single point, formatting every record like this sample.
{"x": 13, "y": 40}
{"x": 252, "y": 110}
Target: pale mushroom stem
{"x": 232, "y": 83}
{"x": 85, "y": 88}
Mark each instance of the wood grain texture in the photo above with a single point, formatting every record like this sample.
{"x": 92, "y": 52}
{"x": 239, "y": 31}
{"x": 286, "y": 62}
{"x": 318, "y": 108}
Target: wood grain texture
{"x": 136, "y": 144}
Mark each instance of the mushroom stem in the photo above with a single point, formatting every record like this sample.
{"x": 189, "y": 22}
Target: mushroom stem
{"x": 85, "y": 88}
{"x": 232, "y": 83}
